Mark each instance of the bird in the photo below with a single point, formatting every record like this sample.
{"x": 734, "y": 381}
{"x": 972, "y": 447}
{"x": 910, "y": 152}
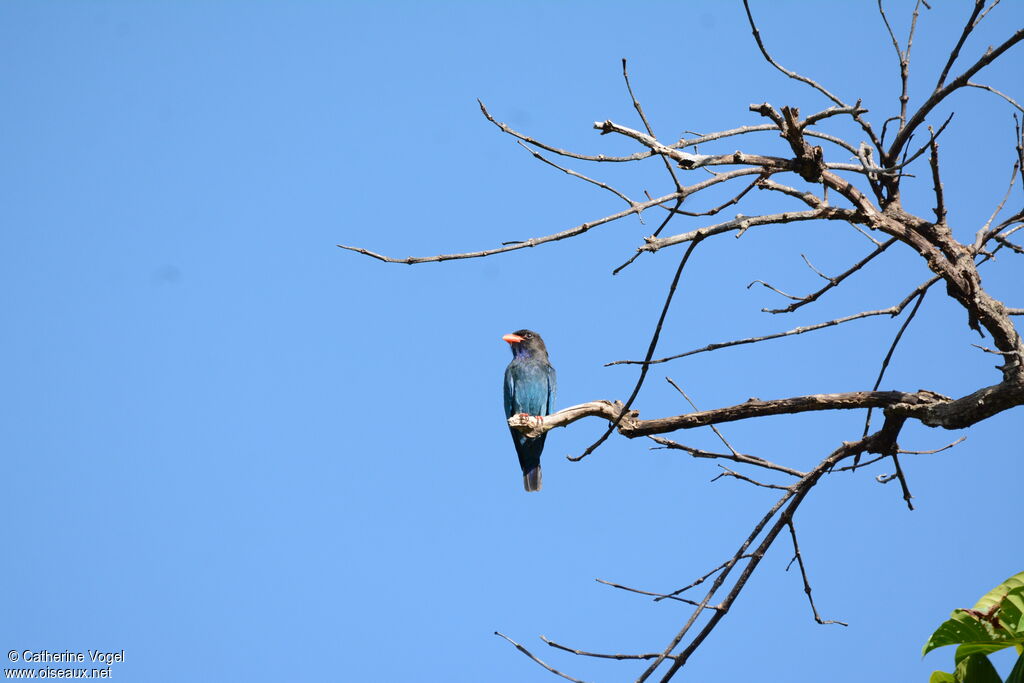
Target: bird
{"x": 529, "y": 388}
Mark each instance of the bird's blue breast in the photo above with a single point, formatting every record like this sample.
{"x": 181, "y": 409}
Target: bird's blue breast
{"x": 529, "y": 387}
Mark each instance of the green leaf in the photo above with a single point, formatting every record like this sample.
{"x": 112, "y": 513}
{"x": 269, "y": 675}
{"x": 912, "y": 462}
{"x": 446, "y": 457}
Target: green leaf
{"x": 979, "y": 636}
{"x": 941, "y": 677}
{"x": 961, "y": 627}
{"x": 968, "y": 649}
{"x": 999, "y": 592}
{"x": 977, "y": 669}
{"x": 1017, "y": 674}
{"x": 1011, "y": 613}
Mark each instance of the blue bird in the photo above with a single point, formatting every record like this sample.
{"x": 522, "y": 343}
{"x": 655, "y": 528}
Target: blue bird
{"x": 529, "y": 388}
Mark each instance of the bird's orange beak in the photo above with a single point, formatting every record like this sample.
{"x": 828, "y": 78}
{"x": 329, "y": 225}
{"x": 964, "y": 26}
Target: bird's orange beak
{"x": 512, "y": 338}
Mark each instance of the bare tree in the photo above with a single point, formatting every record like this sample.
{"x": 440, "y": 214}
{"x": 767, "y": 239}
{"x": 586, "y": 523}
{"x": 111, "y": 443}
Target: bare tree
{"x": 861, "y": 189}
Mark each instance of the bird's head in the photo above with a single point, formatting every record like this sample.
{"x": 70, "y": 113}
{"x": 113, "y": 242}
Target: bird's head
{"x": 526, "y": 344}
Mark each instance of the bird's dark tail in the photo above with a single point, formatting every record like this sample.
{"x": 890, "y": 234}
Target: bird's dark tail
{"x": 531, "y": 479}
{"x": 529, "y": 459}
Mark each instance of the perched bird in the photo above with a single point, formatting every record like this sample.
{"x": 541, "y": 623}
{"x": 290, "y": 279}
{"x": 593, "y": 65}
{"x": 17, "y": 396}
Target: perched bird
{"x": 529, "y": 388}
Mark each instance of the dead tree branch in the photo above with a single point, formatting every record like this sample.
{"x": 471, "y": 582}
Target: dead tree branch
{"x": 813, "y": 166}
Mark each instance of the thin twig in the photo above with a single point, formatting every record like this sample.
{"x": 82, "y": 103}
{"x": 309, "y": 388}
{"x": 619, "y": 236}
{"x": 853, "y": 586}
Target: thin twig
{"x": 850, "y": 468}
{"x": 803, "y": 79}
{"x": 987, "y": 10}
{"x": 885, "y": 125}
{"x": 888, "y": 357}
{"x": 891, "y": 311}
{"x": 997, "y": 92}
{"x": 904, "y": 61}
{"x": 968, "y": 27}
{"x": 903, "y": 481}
{"x": 668, "y": 217}
{"x": 859, "y": 465}
{"x": 534, "y": 658}
{"x": 728, "y": 563}
{"x": 647, "y": 125}
{"x": 712, "y": 212}
{"x": 743, "y": 223}
{"x": 807, "y": 198}
{"x": 726, "y": 472}
{"x": 532, "y": 242}
{"x": 656, "y": 596}
{"x": 596, "y": 654}
{"x": 940, "y": 204}
{"x": 816, "y": 271}
{"x": 935, "y": 450}
{"x": 1002, "y": 238}
{"x": 694, "y": 406}
{"x": 803, "y": 571}
{"x": 833, "y": 282}
{"x": 910, "y": 42}
{"x": 997, "y": 352}
{"x": 942, "y": 91}
{"x": 736, "y": 457}
{"x": 865, "y": 233}
{"x": 831, "y": 138}
{"x": 775, "y": 289}
{"x": 650, "y": 352}
{"x": 921, "y": 150}
{"x": 569, "y": 171}
{"x": 561, "y": 152}
{"x": 692, "y": 450}
{"x": 1009, "y": 245}
{"x": 983, "y": 232}
{"x": 683, "y": 143}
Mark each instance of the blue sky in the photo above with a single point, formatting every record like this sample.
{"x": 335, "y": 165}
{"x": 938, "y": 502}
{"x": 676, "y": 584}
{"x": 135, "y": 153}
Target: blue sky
{"x": 238, "y": 452}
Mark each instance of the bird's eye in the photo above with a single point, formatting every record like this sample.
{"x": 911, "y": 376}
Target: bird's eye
{"x": 528, "y": 336}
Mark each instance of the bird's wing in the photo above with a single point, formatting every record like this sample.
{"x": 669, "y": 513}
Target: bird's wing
{"x": 552, "y": 389}
{"x": 509, "y": 392}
